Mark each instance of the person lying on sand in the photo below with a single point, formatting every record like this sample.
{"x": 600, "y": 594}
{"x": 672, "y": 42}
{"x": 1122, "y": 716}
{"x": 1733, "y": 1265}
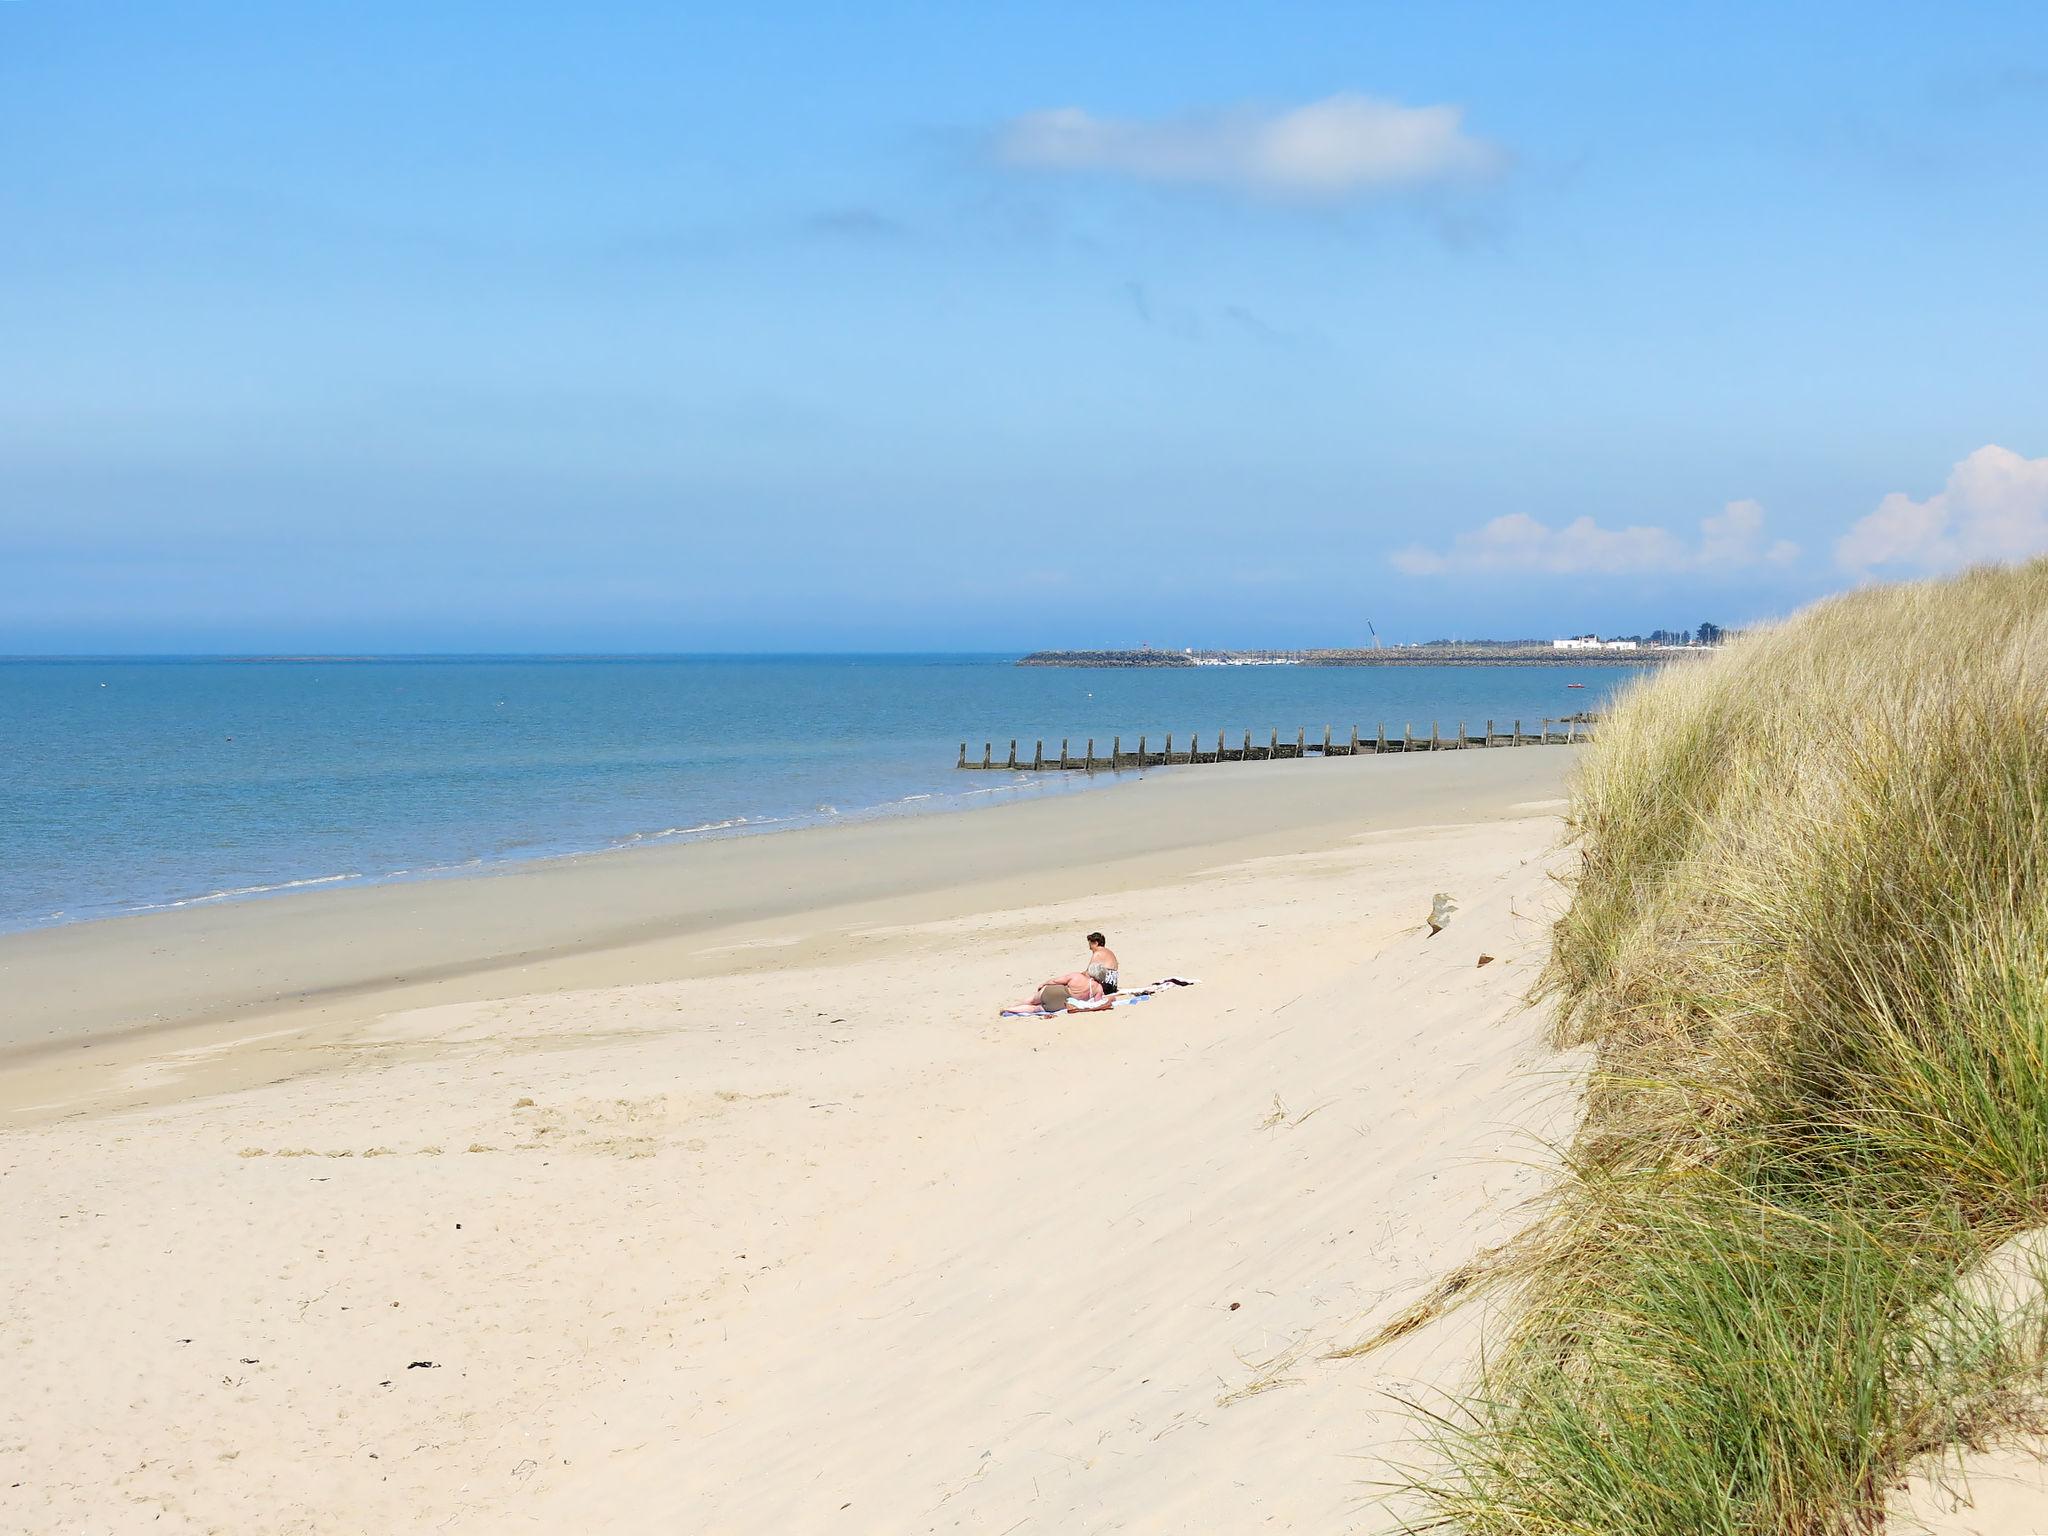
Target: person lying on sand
{"x": 1056, "y": 992}
{"x": 1102, "y": 963}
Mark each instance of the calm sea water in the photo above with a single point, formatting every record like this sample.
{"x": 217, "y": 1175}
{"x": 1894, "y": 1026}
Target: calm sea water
{"x": 132, "y": 785}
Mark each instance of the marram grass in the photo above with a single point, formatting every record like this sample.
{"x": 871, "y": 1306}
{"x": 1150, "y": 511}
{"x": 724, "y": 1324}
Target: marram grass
{"x": 1808, "y": 946}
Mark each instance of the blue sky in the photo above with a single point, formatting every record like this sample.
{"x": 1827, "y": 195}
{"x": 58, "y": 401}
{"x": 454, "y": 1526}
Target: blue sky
{"x": 621, "y": 326}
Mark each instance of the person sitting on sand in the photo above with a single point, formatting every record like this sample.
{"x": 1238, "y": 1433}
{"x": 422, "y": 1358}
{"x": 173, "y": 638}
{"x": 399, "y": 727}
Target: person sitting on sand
{"x": 1102, "y": 963}
{"x": 1056, "y": 992}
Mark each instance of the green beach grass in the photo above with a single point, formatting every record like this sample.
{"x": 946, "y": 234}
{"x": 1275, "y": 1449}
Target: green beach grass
{"x": 1808, "y": 948}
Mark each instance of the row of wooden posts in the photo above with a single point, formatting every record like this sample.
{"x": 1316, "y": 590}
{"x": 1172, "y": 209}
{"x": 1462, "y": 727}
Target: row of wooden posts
{"x": 1574, "y": 731}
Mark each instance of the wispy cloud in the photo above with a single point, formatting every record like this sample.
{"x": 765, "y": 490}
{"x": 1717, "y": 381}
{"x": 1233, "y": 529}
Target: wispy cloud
{"x": 1730, "y": 540}
{"x": 1994, "y": 507}
{"x": 1172, "y": 318}
{"x": 854, "y": 223}
{"x": 2023, "y": 79}
{"x": 1256, "y": 326}
{"x": 1342, "y": 146}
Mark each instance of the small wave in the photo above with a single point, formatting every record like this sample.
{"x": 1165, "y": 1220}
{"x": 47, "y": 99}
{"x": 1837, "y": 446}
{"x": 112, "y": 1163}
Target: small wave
{"x": 1019, "y": 785}
{"x": 242, "y": 890}
{"x": 908, "y": 798}
{"x": 728, "y": 825}
{"x": 437, "y": 869}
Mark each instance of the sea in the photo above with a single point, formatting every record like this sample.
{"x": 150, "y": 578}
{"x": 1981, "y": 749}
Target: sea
{"x": 145, "y": 784}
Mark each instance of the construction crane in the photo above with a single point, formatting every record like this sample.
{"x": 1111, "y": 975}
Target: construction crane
{"x": 1375, "y": 635}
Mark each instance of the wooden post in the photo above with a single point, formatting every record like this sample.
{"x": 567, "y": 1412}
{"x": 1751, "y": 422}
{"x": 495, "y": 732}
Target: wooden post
{"x": 1326, "y": 740}
{"x": 1383, "y": 738}
{"x": 1354, "y": 741}
{"x": 1407, "y": 735}
{"x": 1090, "y": 765}
{"x": 1432, "y": 736}
{"x": 1169, "y": 746}
{"x": 1489, "y": 733}
{"x": 1063, "y": 752}
{"x": 1219, "y": 745}
{"x": 988, "y": 754}
{"x": 1013, "y": 752}
{"x": 1141, "y": 752}
{"x": 1116, "y": 752}
{"x": 1518, "y": 733}
{"x": 1038, "y": 756}
{"x": 1300, "y": 740}
{"x": 963, "y": 754}
{"x": 1570, "y": 730}
{"x": 1461, "y": 734}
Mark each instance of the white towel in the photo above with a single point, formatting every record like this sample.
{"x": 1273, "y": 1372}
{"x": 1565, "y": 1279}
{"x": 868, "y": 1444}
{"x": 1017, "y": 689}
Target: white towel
{"x": 1118, "y": 1000}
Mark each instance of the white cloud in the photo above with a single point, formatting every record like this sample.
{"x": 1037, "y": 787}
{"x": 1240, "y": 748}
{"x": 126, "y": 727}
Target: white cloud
{"x": 1994, "y": 507}
{"x": 1335, "y": 147}
{"x": 1732, "y": 539}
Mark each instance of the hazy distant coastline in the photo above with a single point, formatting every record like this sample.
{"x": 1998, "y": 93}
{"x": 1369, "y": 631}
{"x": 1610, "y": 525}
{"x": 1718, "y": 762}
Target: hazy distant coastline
{"x": 1479, "y": 655}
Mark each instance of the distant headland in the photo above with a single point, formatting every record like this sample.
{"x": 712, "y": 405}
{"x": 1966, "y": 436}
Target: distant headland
{"x": 1435, "y": 653}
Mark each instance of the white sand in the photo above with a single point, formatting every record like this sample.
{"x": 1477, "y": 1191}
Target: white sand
{"x": 1996, "y": 1492}
{"x": 819, "y": 1243}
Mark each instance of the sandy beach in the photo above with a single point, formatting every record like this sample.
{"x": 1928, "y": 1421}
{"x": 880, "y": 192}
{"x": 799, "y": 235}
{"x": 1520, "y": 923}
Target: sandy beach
{"x": 757, "y": 1217}
{"x": 772, "y": 1223}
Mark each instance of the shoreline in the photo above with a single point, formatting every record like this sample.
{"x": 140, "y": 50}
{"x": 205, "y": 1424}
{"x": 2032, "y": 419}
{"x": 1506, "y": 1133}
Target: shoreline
{"x": 488, "y": 864}
{"x": 92, "y": 997}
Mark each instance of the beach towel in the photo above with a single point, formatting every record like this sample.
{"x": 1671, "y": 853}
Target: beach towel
{"x": 1127, "y": 999}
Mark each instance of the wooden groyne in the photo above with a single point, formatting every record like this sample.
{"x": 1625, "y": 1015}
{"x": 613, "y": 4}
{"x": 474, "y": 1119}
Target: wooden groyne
{"x": 1566, "y": 732}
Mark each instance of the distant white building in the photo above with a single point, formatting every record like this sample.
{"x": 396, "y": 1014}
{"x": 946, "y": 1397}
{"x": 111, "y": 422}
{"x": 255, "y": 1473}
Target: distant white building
{"x": 1592, "y": 643}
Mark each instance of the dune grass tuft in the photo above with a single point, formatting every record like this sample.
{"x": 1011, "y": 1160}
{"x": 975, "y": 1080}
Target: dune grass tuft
{"x": 1808, "y": 946}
